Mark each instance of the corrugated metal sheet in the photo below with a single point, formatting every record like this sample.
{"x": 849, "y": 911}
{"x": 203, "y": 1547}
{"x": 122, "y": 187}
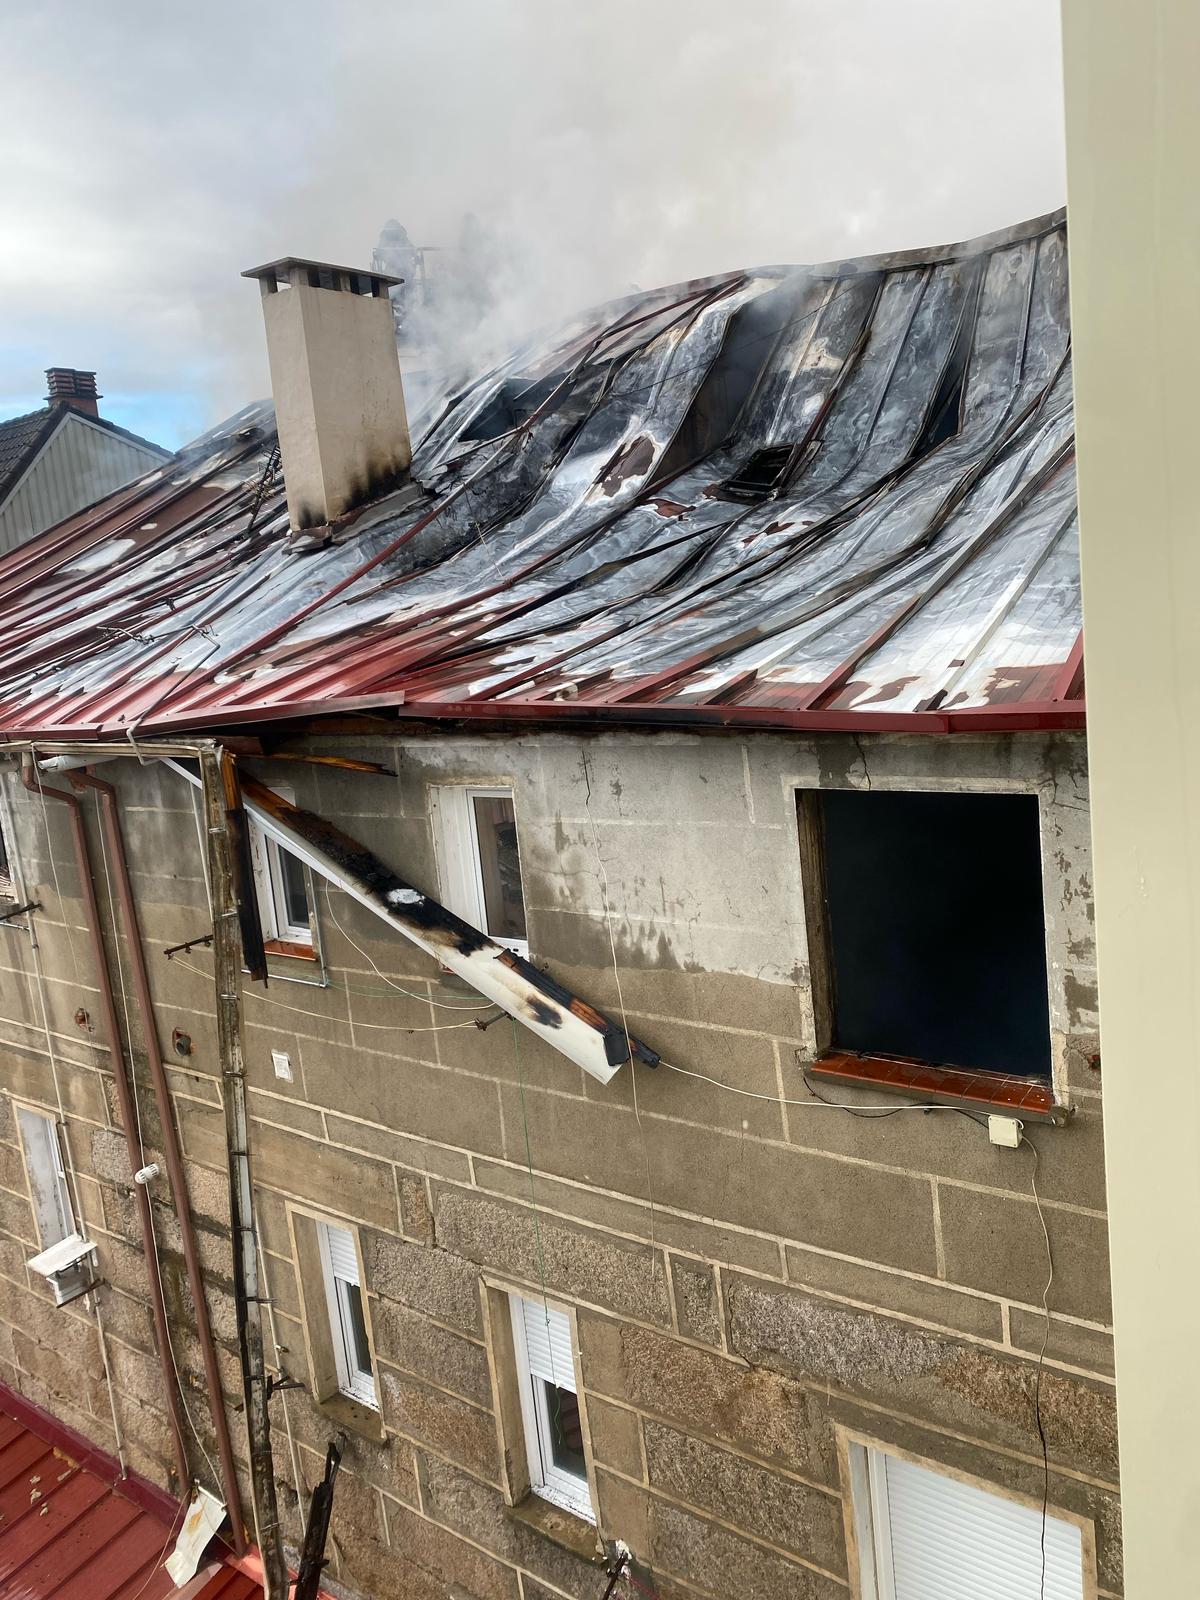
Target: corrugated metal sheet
{"x": 69, "y": 1532}
{"x": 837, "y": 496}
{"x": 80, "y": 464}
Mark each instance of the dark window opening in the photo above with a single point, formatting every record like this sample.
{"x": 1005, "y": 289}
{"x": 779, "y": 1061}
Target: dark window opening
{"x": 513, "y": 403}
{"x": 936, "y": 928}
{"x": 295, "y": 888}
{"x": 566, "y": 1430}
{"x": 766, "y": 470}
{"x": 358, "y": 1328}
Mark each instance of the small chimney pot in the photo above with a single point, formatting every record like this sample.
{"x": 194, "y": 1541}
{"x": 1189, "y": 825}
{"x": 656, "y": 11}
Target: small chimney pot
{"x": 74, "y": 387}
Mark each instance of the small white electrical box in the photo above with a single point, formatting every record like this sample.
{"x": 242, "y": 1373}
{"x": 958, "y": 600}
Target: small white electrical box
{"x": 282, "y": 1063}
{"x": 66, "y": 1267}
{"x": 1004, "y": 1131}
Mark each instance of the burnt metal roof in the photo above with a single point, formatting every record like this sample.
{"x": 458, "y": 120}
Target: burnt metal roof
{"x": 832, "y": 496}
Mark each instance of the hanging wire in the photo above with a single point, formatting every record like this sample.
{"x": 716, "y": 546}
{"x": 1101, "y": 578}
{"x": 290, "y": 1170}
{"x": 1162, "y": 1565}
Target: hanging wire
{"x": 297, "y": 1476}
{"x": 445, "y": 1005}
{"x": 605, "y": 901}
{"x": 1041, "y": 1361}
{"x": 385, "y": 1027}
{"x": 537, "y": 1225}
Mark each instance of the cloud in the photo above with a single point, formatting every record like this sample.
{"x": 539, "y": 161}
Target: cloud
{"x": 151, "y": 153}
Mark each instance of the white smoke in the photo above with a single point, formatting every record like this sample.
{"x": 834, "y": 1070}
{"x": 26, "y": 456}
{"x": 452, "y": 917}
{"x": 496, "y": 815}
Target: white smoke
{"x": 150, "y": 155}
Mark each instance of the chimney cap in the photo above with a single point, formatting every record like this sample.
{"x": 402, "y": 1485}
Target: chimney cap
{"x": 67, "y": 383}
{"x": 321, "y": 275}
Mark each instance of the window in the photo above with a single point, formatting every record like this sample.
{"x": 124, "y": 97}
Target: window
{"x": 284, "y": 899}
{"x": 479, "y": 861}
{"x": 929, "y": 927}
{"x": 7, "y": 887}
{"x": 925, "y": 1536}
{"x": 347, "y": 1322}
{"x": 65, "y": 1257}
{"x": 47, "y": 1177}
{"x": 545, "y": 1357}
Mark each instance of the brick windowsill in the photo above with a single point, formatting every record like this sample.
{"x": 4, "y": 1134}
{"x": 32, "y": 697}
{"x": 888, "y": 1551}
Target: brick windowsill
{"x": 1000, "y": 1092}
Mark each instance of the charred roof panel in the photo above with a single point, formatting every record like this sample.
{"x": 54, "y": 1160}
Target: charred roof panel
{"x": 910, "y": 562}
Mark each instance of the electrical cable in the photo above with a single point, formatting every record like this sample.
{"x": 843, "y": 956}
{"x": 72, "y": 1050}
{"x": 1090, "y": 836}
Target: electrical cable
{"x": 172, "y": 1533}
{"x": 602, "y": 876}
{"x": 832, "y": 1105}
{"x": 445, "y": 1005}
{"x": 1037, "y": 1382}
{"x": 537, "y": 1226}
{"x": 385, "y": 1027}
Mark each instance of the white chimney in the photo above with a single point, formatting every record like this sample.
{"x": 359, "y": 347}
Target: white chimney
{"x": 335, "y": 375}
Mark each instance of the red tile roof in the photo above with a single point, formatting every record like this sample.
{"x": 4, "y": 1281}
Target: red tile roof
{"x": 72, "y": 1528}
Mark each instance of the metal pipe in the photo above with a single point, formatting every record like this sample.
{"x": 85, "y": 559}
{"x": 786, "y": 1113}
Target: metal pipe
{"x": 158, "y": 1310}
{"x": 221, "y": 799}
{"x": 171, "y": 1151}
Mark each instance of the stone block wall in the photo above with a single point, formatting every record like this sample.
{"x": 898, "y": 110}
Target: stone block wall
{"x": 756, "y": 1278}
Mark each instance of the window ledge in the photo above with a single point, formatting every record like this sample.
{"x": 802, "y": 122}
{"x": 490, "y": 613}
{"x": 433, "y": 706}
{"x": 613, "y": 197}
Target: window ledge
{"x": 289, "y": 947}
{"x": 353, "y": 1416}
{"x": 559, "y": 1526}
{"x": 1006, "y": 1094}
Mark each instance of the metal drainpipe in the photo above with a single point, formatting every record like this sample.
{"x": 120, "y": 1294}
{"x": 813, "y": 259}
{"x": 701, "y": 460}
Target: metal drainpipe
{"x": 108, "y": 1008}
{"x": 171, "y": 1151}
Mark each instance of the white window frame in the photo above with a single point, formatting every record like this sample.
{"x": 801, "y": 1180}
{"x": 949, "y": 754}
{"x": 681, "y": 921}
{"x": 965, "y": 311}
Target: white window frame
{"x": 266, "y": 856}
{"x": 871, "y": 1503}
{"x": 546, "y": 1478}
{"x": 8, "y": 876}
{"x": 456, "y": 842}
{"x": 342, "y": 1272}
{"x": 46, "y": 1176}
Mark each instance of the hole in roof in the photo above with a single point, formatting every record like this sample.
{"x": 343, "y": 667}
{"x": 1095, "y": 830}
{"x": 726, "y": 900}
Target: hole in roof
{"x": 765, "y": 471}
{"x": 514, "y": 402}
{"x": 944, "y": 417}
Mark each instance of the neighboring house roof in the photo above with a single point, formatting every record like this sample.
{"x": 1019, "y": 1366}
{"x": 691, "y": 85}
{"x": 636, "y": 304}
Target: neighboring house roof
{"x": 55, "y": 463}
{"x": 69, "y": 1527}
{"x": 834, "y": 496}
{"x": 22, "y": 437}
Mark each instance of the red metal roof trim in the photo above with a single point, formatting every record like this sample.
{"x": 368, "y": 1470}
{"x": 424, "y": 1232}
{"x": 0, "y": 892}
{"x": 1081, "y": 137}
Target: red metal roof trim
{"x": 912, "y": 567}
{"x": 72, "y": 1527}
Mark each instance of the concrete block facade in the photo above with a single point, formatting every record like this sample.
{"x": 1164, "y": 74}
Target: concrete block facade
{"x": 755, "y": 1279}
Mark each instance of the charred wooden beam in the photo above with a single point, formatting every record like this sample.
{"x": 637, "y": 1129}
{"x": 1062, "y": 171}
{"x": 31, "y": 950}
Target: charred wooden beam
{"x": 586, "y": 1036}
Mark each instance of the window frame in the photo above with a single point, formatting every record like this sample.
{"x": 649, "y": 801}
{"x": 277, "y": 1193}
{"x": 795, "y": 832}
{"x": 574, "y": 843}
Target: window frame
{"x": 353, "y": 1381}
{"x": 51, "y": 1132}
{"x": 1032, "y": 1097}
{"x": 566, "y": 1490}
{"x": 867, "y": 1513}
{"x": 281, "y": 936}
{"x": 9, "y": 881}
{"x": 459, "y": 858}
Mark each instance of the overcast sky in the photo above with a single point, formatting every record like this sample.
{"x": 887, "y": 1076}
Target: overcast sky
{"x": 149, "y": 153}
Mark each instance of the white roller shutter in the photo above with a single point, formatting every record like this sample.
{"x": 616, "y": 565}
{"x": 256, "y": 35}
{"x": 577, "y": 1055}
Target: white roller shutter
{"x": 343, "y": 1258}
{"x": 939, "y": 1539}
{"x": 548, "y": 1342}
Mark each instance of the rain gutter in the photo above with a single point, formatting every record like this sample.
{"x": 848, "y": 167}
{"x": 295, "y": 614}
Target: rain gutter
{"x": 128, "y": 1112}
